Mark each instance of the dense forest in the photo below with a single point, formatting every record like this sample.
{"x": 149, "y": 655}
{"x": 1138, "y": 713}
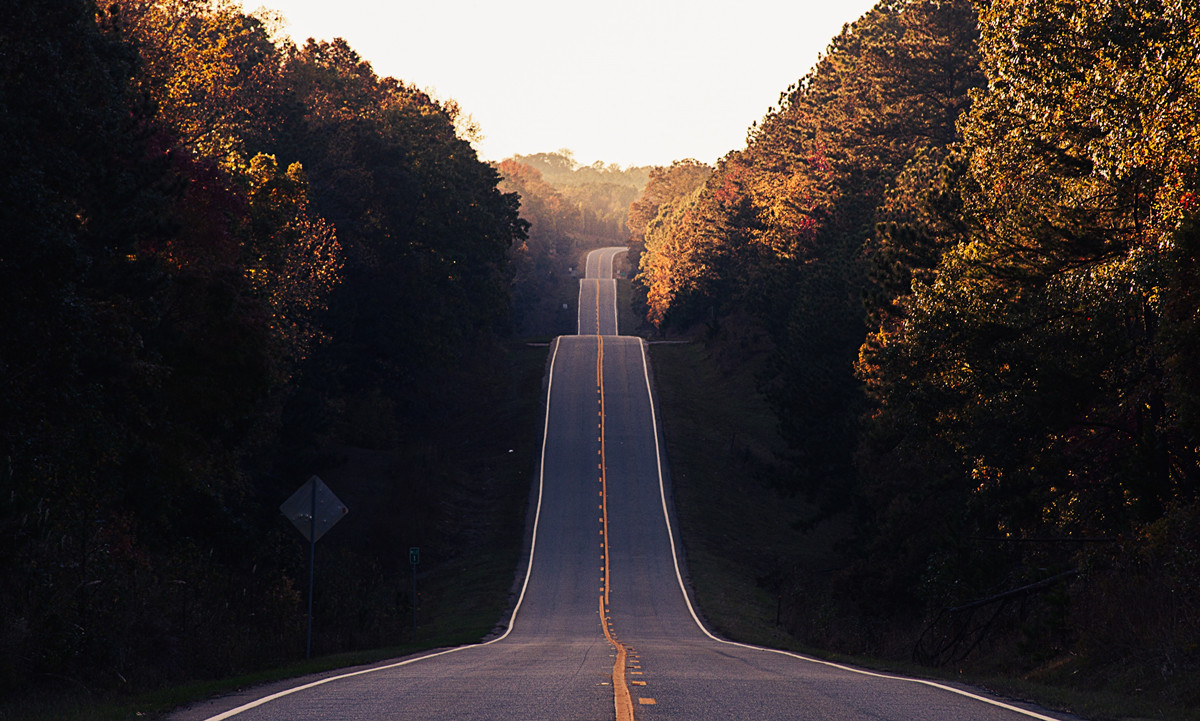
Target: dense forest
{"x": 961, "y": 257}
{"x": 226, "y": 262}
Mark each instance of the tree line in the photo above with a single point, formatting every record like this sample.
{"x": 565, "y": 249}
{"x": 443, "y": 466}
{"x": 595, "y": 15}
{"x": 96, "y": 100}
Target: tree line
{"x": 223, "y": 257}
{"x": 961, "y": 256}
{"x": 569, "y": 208}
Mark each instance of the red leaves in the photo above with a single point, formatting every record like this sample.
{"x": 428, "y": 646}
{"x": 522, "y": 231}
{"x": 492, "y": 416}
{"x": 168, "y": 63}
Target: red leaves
{"x": 729, "y": 189}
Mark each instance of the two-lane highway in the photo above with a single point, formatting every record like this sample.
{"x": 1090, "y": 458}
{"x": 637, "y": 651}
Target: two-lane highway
{"x": 676, "y": 669}
{"x": 604, "y": 627}
{"x": 598, "y": 294}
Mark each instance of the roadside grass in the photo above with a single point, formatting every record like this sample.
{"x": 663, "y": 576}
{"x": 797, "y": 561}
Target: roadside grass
{"x": 155, "y": 704}
{"x": 737, "y": 530}
{"x": 84, "y": 706}
{"x": 464, "y": 598}
{"x": 738, "y": 536}
{"x": 470, "y": 596}
{"x": 1093, "y": 703}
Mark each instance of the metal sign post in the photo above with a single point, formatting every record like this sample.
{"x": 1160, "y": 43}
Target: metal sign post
{"x": 312, "y": 562}
{"x": 414, "y": 557}
{"x": 313, "y": 509}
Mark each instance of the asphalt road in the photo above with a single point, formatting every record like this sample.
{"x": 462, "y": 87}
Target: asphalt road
{"x": 604, "y": 628}
{"x": 598, "y": 294}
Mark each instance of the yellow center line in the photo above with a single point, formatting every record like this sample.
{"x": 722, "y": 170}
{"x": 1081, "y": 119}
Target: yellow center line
{"x": 597, "y": 307}
{"x": 622, "y": 700}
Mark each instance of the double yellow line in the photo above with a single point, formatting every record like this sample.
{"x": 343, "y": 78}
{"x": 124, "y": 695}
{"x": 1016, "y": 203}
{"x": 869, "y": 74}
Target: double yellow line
{"x": 603, "y": 461}
{"x": 622, "y": 699}
{"x": 598, "y": 316}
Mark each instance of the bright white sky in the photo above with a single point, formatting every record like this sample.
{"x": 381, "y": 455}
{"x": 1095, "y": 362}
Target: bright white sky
{"x": 633, "y": 82}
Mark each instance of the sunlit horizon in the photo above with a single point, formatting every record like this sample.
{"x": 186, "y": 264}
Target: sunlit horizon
{"x": 626, "y": 82}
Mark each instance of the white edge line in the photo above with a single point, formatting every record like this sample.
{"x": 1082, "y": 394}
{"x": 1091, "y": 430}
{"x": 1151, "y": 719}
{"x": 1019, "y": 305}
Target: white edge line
{"x": 612, "y": 256}
{"x": 683, "y": 589}
{"x": 613, "y": 281}
{"x": 579, "y": 309}
{"x": 600, "y": 254}
{"x": 511, "y": 621}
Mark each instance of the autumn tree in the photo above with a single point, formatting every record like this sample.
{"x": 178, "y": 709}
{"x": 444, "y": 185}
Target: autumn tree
{"x": 293, "y": 258}
{"x": 782, "y": 225}
{"x": 596, "y": 196}
{"x": 543, "y": 261}
{"x": 424, "y": 228}
{"x": 660, "y": 210}
{"x": 569, "y": 208}
{"x": 216, "y": 80}
{"x": 1032, "y": 347}
{"x": 172, "y": 299}
{"x": 663, "y": 185}
{"x": 137, "y": 363}
{"x": 211, "y": 70}
{"x": 562, "y": 170}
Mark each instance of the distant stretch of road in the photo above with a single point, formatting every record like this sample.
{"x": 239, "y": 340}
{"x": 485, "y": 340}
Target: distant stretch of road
{"x": 604, "y": 627}
{"x": 598, "y": 294}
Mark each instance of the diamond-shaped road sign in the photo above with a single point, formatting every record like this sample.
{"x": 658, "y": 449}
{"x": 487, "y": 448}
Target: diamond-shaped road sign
{"x": 299, "y": 509}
